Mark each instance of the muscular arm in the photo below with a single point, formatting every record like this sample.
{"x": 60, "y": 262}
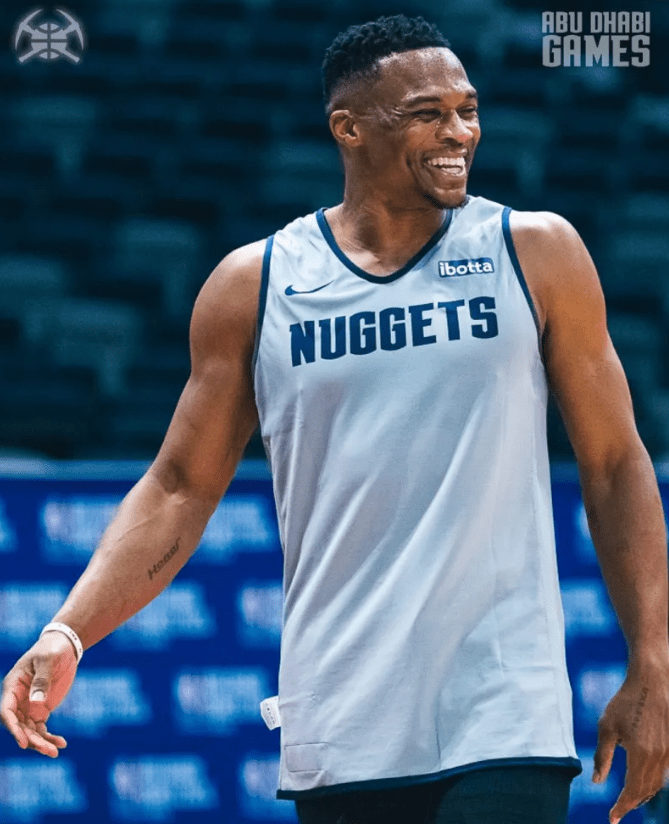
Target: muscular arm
{"x": 161, "y": 520}
{"x": 620, "y": 492}
{"x": 618, "y": 482}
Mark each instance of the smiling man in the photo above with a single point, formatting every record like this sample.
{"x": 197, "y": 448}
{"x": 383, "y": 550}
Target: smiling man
{"x": 397, "y": 350}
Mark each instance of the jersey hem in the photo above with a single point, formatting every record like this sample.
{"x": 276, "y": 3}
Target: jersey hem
{"x": 572, "y": 765}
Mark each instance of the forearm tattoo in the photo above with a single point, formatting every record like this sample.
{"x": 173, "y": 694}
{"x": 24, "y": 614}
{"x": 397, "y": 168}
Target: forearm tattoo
{"x": 171, "y": 552}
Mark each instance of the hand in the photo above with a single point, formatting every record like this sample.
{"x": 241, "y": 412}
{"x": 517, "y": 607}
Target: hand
{"x": 33, "y": 688}
{"x": 636, "y": 718}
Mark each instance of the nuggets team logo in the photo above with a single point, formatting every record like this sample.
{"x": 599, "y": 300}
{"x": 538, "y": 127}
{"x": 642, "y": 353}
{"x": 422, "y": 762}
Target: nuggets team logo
{"x": 458, "y": 268}
{"x": 49, "y": 41}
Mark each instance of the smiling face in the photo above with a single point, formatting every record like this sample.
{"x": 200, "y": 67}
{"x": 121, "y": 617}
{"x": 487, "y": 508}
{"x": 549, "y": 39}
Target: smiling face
{"x": 411, "y": 131}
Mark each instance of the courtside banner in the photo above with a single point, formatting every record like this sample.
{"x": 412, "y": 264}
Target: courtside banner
{"x": 163, "y": 721}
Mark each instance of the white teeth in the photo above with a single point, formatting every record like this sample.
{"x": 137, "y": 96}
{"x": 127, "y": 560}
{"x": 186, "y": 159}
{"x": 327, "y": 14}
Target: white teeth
{"x": 450, "y": 162}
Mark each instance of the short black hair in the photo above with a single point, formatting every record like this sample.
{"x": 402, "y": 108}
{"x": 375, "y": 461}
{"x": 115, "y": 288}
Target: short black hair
{"x": 356, "y": 51}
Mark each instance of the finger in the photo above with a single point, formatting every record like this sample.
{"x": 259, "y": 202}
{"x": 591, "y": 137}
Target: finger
{"x": 38, "y": 709}
{"x": 40, "y": 728}
{"x": 39, "y": 686}
{"x": 8, "y": 716}
{"x": 31, "y": 728}
{"x": 56, "y": 740}
{"x": 36, "y": 742}
{"x": 645, "y": 801}
{"x": 624, "y": 806}
{"x": 637, "y": 788}
{"x": 12, "y": 723}
{"x": 656, "y": 779}
{"x": 603, "y": 758}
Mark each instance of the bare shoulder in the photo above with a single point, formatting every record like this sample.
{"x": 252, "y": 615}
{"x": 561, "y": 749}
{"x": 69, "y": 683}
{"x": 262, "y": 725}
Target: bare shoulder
{"x": 542, "y": 224}
{"x": 225, "y": 311}
{"x": 544, "y": 233}
{"x": 232, "y": 288}
{"x": 554, "y": 259}
{"x": 216, "y": 413}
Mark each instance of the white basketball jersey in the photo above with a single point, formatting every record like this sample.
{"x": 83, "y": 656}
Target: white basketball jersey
{"x": 404, "y": 418}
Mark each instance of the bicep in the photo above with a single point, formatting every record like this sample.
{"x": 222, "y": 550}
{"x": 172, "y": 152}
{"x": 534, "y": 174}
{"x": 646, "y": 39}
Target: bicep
{"x": 592, "y": 394}
{"x": 584, "y": 371}
{"x": 212, "y": 423}
{"x": 216, "y": 413}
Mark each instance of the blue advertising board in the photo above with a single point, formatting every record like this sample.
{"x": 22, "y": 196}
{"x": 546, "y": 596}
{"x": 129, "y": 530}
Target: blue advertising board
{"x": 163, "y": 719}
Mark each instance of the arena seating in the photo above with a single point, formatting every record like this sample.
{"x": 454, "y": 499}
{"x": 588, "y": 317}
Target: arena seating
{"x": 193, "y": 127}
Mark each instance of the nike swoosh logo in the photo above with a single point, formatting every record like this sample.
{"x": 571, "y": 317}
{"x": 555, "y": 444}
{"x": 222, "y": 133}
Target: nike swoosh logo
{"x": 291, "y": 291}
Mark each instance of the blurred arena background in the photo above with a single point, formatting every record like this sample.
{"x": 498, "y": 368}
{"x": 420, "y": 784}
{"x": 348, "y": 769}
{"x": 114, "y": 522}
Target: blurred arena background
{"x": 189, "y": 128}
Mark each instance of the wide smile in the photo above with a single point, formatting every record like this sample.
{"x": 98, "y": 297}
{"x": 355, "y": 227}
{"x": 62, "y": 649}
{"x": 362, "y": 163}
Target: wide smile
{"x": 450, "y": 167}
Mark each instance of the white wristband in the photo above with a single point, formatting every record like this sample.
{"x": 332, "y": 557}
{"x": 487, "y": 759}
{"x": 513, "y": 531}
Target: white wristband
{"x": 71, "y": 634}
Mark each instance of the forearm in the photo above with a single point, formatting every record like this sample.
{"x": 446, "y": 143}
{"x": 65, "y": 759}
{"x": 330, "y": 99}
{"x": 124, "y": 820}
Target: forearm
{"x": 627, "y": 526}
{"x": 150, "y": 539}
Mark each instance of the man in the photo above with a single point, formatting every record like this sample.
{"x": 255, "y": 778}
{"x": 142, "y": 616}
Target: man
{"x": 396, "y": 350}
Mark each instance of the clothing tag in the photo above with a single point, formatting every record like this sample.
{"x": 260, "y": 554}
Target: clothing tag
{"x": 269, "y": 709}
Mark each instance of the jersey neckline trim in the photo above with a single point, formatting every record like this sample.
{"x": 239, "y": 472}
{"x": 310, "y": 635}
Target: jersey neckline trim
{"x": 332, "y": 243}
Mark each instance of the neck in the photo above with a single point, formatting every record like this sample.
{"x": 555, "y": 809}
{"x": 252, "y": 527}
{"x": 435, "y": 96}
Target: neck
{"x": 378, "y": 235}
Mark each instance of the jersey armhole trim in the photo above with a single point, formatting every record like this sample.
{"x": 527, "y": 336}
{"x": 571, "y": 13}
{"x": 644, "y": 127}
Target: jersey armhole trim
{"x": 511, "y": 249}
{"x": 262, "y": 298}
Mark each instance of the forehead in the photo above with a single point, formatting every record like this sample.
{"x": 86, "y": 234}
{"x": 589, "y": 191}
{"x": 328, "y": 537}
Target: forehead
{"x": 436, "y": 72}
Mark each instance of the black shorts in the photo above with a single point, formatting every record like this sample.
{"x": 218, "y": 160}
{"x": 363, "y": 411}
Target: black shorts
{"x": 494, "y": 795}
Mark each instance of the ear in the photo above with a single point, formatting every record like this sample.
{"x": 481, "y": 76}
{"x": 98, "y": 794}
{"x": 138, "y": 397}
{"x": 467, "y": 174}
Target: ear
{"x": 345, "y": 128}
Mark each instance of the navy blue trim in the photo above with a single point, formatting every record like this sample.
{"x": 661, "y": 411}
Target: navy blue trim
{"x": 332, "y": 243}
{"x": 262, "y": 299}
{"x": 573, "y": 765}
{"x": 511, "y": 249}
